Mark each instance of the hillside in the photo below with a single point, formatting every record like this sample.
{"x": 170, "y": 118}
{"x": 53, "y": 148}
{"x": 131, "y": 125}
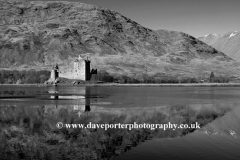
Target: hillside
{"x": 227, "y": 43}
{"x": 36, "y": 35}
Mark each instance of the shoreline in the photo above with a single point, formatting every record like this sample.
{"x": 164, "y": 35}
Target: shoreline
{"x": 172, "y": 85}
{"x": 139, "y": 85}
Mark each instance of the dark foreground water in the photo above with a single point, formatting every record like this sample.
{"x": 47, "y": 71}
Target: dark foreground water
{"x": 28, "y": 118}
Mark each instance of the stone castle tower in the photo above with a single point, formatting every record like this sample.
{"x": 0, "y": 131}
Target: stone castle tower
{"x": 81, "y": 69}
{"x": 54, "y": 75}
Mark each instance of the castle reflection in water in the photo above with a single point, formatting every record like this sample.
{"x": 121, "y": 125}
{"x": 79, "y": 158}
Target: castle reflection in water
{"x": 82, "y": 107}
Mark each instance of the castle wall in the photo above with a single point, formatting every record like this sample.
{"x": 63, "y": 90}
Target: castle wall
{"x": 54, "y": 75}
{"x": 87, "y": 72}
{"x": 79, "y": 70}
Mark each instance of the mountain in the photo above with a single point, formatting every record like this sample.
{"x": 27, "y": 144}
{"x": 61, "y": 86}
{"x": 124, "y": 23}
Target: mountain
{"x": 36, "y": 35}
{"x": 227, "y": 43}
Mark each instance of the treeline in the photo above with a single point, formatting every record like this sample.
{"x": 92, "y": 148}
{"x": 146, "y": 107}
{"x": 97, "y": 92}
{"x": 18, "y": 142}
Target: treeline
{"x": 33, "y": 76}
{"x": 220, "y": 79}
{"x": 23, "y": 77}
{"x": 156, "y": 78}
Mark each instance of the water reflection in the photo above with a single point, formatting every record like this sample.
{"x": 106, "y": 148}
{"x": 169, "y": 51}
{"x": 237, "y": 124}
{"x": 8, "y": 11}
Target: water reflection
{"x": 83, "y": 101}
{"x": 28, "y": 119}
{"x": 228, "y": 125}
{"x": 30, "y": 132}
{"x": 48, "y": 96}
{"x": 218, "y": 139}
{"x": 57, "y": 97}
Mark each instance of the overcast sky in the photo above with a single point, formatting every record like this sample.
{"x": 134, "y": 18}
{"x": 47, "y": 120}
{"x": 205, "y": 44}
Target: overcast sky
{"x": 195, "y": 17}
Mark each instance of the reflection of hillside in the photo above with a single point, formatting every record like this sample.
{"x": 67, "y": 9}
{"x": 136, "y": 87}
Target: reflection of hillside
{"x": 226, "y": 125}
{"x": 25, "y": 126}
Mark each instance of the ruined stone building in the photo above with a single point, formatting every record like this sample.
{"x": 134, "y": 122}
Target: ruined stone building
{"x": 81, "y": 69}
{"x": 54, "y": 74}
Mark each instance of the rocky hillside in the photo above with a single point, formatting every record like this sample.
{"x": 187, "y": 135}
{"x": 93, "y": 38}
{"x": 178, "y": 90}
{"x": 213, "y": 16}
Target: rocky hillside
{"x": 227, "y": 43}
{"x": 36, "y": 35}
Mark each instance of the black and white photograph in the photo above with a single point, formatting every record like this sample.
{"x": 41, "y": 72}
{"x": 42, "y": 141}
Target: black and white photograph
{"x": 119, "y": 80}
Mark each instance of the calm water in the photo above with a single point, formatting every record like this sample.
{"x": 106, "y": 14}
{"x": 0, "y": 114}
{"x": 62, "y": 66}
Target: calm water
{"x": 32, "y": 112}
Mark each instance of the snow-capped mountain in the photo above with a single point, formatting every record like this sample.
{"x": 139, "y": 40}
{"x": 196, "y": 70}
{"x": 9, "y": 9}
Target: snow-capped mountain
{"x": 228, "y": 43}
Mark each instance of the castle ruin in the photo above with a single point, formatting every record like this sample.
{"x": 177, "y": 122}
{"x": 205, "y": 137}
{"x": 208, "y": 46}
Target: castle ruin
{"x": 81, "y": 69}
{"x": 54, "y": 75}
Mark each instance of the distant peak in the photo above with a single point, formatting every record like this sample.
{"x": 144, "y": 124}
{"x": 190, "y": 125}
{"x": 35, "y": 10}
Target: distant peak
{"x": 206, "y": 35}
{"x": 213, "y": 35}
{"x": 233, "y": 34}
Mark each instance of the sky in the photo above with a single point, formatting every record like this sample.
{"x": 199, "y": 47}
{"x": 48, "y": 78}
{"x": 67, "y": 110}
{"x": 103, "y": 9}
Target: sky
{"x": 195, "y": 17}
